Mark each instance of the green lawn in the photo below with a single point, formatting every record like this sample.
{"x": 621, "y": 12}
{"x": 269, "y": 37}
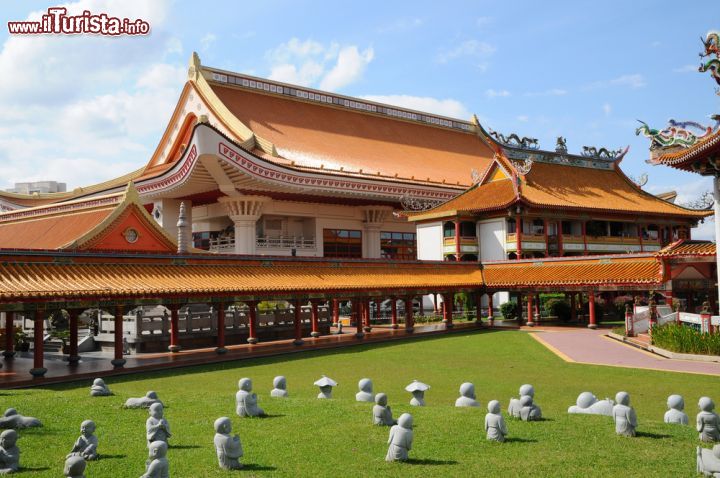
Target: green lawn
{"x": 309, "y": 437}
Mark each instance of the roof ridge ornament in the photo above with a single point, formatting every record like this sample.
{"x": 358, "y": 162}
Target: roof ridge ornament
{"x": 194, "y": 67}
{"x": 602, "y": 153}
{"x": 676, "y": 133}
{"x": 410, "y": 203}
{"x": 514, "y": 141}
{"x": 561, "y": 145}
{"x": 711, "y": 46}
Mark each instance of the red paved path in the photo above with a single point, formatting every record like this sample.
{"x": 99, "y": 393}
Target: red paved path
{"x": 591, "y": 346}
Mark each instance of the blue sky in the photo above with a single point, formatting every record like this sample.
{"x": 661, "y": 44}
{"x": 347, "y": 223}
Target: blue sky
{"x": 85, "y": 109}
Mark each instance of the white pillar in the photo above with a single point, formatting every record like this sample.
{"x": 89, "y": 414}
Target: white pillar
{"x": 373, "y": 219}
{"x": 244, "y": 212}
{"x": 716, "y": 205}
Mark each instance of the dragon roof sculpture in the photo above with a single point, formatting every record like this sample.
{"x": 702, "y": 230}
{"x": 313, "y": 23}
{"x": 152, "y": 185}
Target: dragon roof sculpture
{"x": 676, "y": 133}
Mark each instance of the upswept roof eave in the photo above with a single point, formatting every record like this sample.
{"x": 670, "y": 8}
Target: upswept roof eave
{"x": 676, "y": 159}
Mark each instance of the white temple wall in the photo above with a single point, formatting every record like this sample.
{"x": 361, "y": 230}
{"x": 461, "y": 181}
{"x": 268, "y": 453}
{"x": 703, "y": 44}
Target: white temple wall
{"x": 492, "y": 239}
{"x": 430, "y": 241}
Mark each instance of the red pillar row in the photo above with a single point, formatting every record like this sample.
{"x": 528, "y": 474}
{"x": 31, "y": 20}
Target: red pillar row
{"x": 357, "y": 315}
{"x": 335, "y": 312}
{"x": 448, "y": 299}
{"x": 252, "y": 322}
{"x": 592, "y": 324}
{"x": 38, "y": 369}
{"x": 393, "y": 312}
{"x": 530, "y": 310}
{"x": 366, "y": 315}
{"x": 118, "y": 360}
{"x": 174, "y": 328}
{"x": 315, "y": 330}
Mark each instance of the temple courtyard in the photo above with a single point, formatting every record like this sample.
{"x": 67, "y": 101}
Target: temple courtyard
{"x": 304, "y": 436}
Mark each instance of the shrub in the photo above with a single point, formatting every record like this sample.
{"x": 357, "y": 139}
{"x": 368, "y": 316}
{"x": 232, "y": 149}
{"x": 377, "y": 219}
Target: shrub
{"x": 559, "y": 308}
{"x": 509, "y": 310}
{"x": 683, "y": 339}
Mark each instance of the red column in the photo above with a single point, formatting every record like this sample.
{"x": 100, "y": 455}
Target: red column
{"x": 252, "y": 321}
{"x": 629, "y": 321}
{"x": 73, "y": 358}
{"x": 9, "y": 351}
{"x": 448, "y": 299}
{"x": 518, "y": 236}
{"x": 560, "y": 238}
{"x": 536, "y": 317}
{"x": 409, "y": 323}
{"x": 297, "y": 322}
{"x": 174, "y": 328}
{"x": 38, "y": 369}
{"x": 118, "y": 360}
{"x": 573, "y": 307}
{"x": 366, "y": 314}
{"x": 315, "y": 331}
{"x": 335, "y": 312}
{"x": 457, "y": 240}
{"x": 491, "y": 316}
{"x": 592, "y": 324}
{"x": 584, "y": 234}
{"x": 220, "y": 349}
{"x": 530, "y": 310}
{"x": 357, "y": 314}
{"x": 547, "y": 246}
{"x": 393, "y": 312}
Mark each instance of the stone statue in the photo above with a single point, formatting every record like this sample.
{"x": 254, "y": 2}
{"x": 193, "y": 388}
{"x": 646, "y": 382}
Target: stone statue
{"x": 12, "y": 419}
{"x": 588, "y": 403}
{"x": 708, "y": 461}
{"x": 495, "y": 423}
{"x": 400, "y": 439}
{"x": 528, "y": 411}
{"x": 279, "y": 387}
{"x": 228, "y": 448}
{"x": 87, "y": 444}
{"x": 467, "y": 396}
{"x": 515, "y": 406}
{"x": 624, "y": 415}
{"x": 74, "y": 467}
{"x": 676, "y": 413}
{"x": 246, "y": 400}
{"x": 143, "y": 402}
{"x": 326, "y": 385}
{"x": 708, "y": 422}
{"x": 9, "y": 452}
{"x": 365, "y": 394}
{"x": 382, "y": 415}
{"x": 99, "y": 389}
{"x": 418, "y": 392}
{"x": 156, "y": 427}
{"x": 157, "y": 464}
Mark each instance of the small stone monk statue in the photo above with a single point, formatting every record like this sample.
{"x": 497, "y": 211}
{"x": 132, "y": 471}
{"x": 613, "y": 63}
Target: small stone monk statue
{"x": 156, "y": 427}
{"x": 708, "y": 422}
{"x": 418, "y": 390}
{"x": 246, "y": 400}
{"x": 143, "y": 402}
{"x": 588, "y": 404}
{"x": 228, "y": 448}
{"x": 528, "y": 411}
{"x": 708, "y": 461}
{"x": 676, "y": 413}
{"x": 99, "y": 389}
{"x": 9, "y": 452}
{"x": 157, "y": 464}
{"x": 279, "y": 387}
{"x": 326, "y": 385}
{"x": 86, "y": 445}
{"x": 514, "y": 406}
{"x": 365, "y": 394}
{"x": 12, "y": 419}
{"x": 382, "y": 415}
{"x": 624, "y": 415}
{"x": 467, "y": 396}
{"x": 74, "y": 467}
{"x": 400, "y": 439}
{"x": 495, "y": 423}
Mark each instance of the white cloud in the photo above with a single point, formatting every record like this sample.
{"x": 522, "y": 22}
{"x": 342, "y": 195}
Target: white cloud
{"x": 686, "y": 69}
{"x": 471, "y": 48}
{"x": 310, "y": 63}
{"x": 523, "y": 118}
{"x": 482, "y": 21}
{"x": 444, "y": 107}
{"x": 550, "y": 92}
{"x": 402, "y": 25}
{"x": 607, "y": 109}
{"x": 635, "y": 80}
{"x": 496, "y": 93}
{"x": 207, "y": 41}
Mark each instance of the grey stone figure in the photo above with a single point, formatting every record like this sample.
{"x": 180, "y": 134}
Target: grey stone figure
{"x": 279, "y": 387}
{"x": 157, "y": 427}
{"x": 418, "y": 390}
{"x": 528, "y": 411}
{"x": 12, "y": 419}
{"x": 9, "y": 452}
{"x": 514, "y": 405}
{"x": 143, "y": 402}
{"x": 588, "y": 404}
{"x": 400, "y": 439}
{"x": 366, "y": 391}
{"x": 326, "y": 385}
{"x": 624, "y": 415}
{"x": 495, "y": 423}
{"x": 676, "y": 413}
{"x": 382, "y": 415}
{"x": 157, "y": 464}
{"x": 86, "y": 446}
{"x": 246, "y": 400}
{"x": 708, "y": 461}
{"x": 75, "y": 467}
{"x": 99, "y": 389}
{"x": 708, "y": 422}
{"x": 228, "y": 448}
{"x": 467, "y": 396}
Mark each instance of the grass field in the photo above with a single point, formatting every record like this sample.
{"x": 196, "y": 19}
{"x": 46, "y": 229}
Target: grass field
{"x": 308, "y": 437}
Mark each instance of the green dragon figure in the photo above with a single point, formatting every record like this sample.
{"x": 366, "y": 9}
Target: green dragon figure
{"x": 711, "y": 44}
{"x": 675, "y": 134}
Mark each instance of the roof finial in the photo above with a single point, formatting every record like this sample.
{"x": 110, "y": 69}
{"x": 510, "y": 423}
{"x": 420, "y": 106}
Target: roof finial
{"x": 182, "y": 230}
{"x": 194, "y": 67}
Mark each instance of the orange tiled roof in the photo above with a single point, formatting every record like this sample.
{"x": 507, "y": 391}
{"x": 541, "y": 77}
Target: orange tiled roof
{"x": 311, "y": 135}
{"x": 616, "y": 270}
{"x": 485, "y": 197}
{"x": 688, "y": 248}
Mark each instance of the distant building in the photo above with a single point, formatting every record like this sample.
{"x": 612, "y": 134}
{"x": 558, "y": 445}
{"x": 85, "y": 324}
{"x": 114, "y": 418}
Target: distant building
{"x": 40, "y": 187}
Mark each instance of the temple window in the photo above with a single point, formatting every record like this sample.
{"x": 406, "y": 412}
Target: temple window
{"x": 468, "y": 229}
{"x": 449, "y": 229}
{"x": 398, "y": 245}
{"x": 342, "y": 243}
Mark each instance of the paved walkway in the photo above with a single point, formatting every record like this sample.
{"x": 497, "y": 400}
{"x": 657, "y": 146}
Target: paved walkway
{"x": 594, "y": 347}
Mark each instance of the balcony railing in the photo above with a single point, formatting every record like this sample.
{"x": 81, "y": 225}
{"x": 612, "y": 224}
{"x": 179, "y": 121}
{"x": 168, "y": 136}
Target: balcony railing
{"x": 227, "y": 245}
